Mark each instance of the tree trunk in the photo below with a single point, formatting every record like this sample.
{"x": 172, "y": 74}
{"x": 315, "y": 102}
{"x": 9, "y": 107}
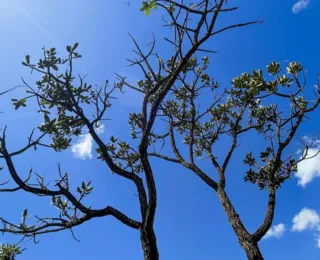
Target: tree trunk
{"x": 246, "y": 241}
{"x": 149, "y": 244}
{"x": 252, "y": 250}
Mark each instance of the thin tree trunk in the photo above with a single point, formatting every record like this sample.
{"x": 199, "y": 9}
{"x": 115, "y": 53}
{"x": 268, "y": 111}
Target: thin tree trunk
{"x": 246, "y": 241}
{"x": 149, "y": 244}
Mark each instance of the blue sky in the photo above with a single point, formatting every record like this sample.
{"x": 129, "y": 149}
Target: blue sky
{"x": 190, "y": 222}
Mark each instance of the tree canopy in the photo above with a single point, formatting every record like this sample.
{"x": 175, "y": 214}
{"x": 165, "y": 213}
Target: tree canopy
{"x": 185, "y": 112}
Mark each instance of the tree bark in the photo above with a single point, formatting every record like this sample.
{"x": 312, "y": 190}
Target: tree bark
{"x": 246, "y": 240}
{"x": 149, "y": 244}
{"x": 252, "y": 250}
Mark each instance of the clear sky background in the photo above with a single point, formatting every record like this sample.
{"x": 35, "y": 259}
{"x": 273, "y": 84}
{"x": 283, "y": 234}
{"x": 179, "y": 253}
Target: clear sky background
{"x": 190, "y": 223}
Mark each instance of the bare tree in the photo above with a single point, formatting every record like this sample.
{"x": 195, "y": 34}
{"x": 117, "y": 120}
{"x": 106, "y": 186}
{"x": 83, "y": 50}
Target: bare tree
{"x": 64, "y": 98}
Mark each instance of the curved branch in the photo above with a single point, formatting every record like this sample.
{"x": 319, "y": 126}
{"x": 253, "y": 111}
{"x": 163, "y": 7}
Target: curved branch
{"x": 263, "y": 229}
{"x": 63, "y": 192}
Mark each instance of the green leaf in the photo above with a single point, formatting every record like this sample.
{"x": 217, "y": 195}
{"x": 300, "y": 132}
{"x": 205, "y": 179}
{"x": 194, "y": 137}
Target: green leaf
{"x": 28, "y": 59}
{"x": 23, "y": 102}
{"x": 147, "y": 12}
{"x": 25, "y": 213}
{"x": 55, "y": 67}
{"x": 273, "y": 68}
{"x": 19, "y": 103}
{"x": 75, "y": 46}
{"x": 46, "y": 118}
{"x": 146, "y": 8}
{"x": 145, "y": 5}
{"x": 153, "y": 5}
{"x": 113, "y": 139}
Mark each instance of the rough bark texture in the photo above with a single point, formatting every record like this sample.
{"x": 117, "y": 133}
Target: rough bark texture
{"x": 149, "y": 244}
{"x": 245, "y": 238}
{"x": 252, "y": 250}
{"x": 263, "y": 229}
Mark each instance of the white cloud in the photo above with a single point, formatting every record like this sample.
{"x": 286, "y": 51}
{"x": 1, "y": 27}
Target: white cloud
{"x": 309, "y": 169}
{"x": 276, "y": 231}
{"x": 306, "y": 219}
{"x": 300, "y": 5}
{"x": 99, "y": 128}
{"x": 82, "y": 149}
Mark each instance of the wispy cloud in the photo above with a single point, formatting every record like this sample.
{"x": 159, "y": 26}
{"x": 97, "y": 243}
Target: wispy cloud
{"x": 300, "y": 5}
{"x": 276, "y": 231}
{"x": 309, "y": 169}
{"x": 83, "y": 148}
{"x": 32, "y": 19}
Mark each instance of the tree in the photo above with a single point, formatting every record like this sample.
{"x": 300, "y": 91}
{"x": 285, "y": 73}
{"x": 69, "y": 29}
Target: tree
{"x": 170, "y": 110}
{"x": 272, "y": 108}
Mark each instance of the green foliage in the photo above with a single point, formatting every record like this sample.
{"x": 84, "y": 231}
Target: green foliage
{"x": 59, "y": 96}
{"x": 273, "y": 68}
{"x": 247, "y": 105}
{"x": 171, "y": 99}
{"x": 9, "y": 252}
{"x": 249, "y": 159}
{"x": 125, "y": 156}
{"x": 85, "y": 189}
{"x": 294, "y": 68}
{"x": 19, "y": 103}
{"x": 147, "y": 6}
